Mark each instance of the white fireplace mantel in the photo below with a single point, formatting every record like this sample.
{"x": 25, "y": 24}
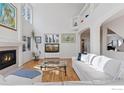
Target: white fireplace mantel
{"x": 10, "y": 44}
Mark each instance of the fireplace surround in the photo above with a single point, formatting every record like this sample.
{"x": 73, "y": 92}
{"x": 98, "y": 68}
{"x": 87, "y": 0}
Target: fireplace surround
{"x": 7, "y": 58}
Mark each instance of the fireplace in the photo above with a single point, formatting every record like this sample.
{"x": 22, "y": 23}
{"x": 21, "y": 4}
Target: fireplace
{"x": 7, "y": 58}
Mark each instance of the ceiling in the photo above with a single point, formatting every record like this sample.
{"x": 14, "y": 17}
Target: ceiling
{"x": 78, "y": 6}
{"x": 117, "y": 15}
{"x": 55, "y": 17}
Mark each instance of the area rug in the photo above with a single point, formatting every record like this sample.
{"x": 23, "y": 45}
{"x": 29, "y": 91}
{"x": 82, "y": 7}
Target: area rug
{"x": 27, "y": 73}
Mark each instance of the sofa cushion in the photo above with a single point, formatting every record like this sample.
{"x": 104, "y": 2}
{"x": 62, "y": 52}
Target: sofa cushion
{"x": 99, "y": 62}
{"x": 89, "y": 73}
{"x": 121, "y": 75}
{"x": 2, "y": 80}
{"x": 121, "y": 72}
{"x": 112, "y": 67}
{"x": 107, "y": 65}
{"x": 78, "y": 72}
{"x": 16, "y": 80}
{"x": 102, "y": 62}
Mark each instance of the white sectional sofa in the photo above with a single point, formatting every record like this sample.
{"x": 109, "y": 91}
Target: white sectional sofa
{"x": 17, "y": 80}
{"x": 99, "y": 69}
{"x": 91, "y": 69}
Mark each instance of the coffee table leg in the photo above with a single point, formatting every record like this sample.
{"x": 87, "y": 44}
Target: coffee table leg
{"x": 65, "y": 70}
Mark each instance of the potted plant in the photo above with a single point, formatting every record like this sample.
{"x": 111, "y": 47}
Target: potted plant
{"x": 33, "y": 34}
{"x": 35, "y": 55}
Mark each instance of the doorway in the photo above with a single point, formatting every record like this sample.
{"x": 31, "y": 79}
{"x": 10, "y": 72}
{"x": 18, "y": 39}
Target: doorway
{"x": 85, "y": 41}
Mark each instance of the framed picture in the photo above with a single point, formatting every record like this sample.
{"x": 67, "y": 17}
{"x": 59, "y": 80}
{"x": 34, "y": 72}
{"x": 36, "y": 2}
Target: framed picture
{"x": 38, "y": 39}
{"x": 23, "y": 47}
{"x": 75, "y": 22}
{"x": 29, "y": 43}
{"x": 68, "y": 38}
{"x": 52, "y": 48}
{"x": 51, "y": 38}
{"x": 8, "y": 16}
{"x": 24, "y": 38}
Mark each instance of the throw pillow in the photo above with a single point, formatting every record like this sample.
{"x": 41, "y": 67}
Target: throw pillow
{"x": 84, "y": 57}
{"x": 79, "y": 57}
{"x": 90, "y": 58}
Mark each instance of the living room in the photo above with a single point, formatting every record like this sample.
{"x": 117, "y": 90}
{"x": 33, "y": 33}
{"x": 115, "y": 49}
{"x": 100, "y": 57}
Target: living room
{"x": 30, "y": 44}
{"x": 44, "y": 43}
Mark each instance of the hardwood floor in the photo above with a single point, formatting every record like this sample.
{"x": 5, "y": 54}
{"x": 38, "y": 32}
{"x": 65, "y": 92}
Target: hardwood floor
{"x": 55, "y": 75}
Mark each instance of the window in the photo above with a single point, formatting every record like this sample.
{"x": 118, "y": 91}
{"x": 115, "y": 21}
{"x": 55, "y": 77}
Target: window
{"x": 27, "y": 12}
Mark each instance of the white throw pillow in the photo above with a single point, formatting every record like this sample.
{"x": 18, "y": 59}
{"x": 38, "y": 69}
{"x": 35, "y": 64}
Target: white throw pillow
{"x": 84, "y": 58}
{"x": 90, "y": 58}
{"x": 102, "y": 62}
{"x": 107, "y": 65}
{"x": 96, "y": 61}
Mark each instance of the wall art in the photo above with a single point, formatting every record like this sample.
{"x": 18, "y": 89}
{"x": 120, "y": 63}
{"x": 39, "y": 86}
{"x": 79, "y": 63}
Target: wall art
{"x": 8, "y": 16}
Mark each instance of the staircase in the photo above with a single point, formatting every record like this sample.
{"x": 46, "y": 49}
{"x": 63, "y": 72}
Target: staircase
{"x": 117, "y": 42}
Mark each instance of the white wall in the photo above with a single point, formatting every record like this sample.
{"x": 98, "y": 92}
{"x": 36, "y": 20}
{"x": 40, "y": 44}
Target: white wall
{"x": 116, "y": 25}
{"x": 56, "y": 18}
{"x": 95, "y": 39}
{"x": 26, "y": 31}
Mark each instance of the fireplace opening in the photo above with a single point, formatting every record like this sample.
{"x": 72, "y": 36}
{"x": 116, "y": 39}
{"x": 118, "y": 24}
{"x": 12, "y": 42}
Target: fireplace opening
{"x": 7, "y": 58}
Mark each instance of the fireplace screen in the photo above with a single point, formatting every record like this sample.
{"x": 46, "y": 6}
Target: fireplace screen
{"x": 7, "y": 58}
{"x": 52, "y": 48}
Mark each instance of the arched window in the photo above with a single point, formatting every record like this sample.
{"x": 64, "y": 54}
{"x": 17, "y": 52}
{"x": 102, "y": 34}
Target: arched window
{"x": 27, "y": 12}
